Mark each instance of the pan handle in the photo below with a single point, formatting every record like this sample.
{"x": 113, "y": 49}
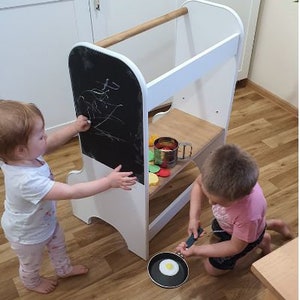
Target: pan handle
{"x": 191, "y": 240}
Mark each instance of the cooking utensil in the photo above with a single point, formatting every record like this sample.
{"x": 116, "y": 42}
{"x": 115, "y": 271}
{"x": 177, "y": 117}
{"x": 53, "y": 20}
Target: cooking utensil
{"x": 166, "y": 151}
{"x": 181, "y": 276}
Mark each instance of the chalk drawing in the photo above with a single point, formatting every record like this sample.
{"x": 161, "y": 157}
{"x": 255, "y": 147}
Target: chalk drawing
{"x": 96, "y": 106}
{"x": 108, "y": 93}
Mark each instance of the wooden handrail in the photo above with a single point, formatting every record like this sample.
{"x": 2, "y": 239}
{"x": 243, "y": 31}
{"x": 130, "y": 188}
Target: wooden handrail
{"x": 114, "y": 39}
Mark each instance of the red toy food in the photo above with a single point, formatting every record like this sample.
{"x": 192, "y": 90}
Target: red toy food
{"x": 163, "y": 172}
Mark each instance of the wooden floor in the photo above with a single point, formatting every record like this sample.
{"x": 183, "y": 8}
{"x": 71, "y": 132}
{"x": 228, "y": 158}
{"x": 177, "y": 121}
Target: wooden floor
{"x": 267, "y": 131}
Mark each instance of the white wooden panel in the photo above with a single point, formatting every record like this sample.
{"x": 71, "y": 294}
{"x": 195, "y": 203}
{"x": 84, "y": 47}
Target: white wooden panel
{"x": 127, "y": 211}
{"x": 175, "y": 80}
{"x": 248, "y": 12}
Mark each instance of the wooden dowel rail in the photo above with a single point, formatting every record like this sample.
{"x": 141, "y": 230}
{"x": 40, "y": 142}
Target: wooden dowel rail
{"x": 114, "y": 39}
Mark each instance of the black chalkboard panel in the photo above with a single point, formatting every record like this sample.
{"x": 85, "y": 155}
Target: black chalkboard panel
{"x": 107, "y": 91}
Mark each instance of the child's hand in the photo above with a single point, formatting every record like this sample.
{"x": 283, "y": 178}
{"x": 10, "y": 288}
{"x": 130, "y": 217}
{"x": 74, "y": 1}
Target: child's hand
{"x": 193, "y": 228}
{"x": 121, "y": 180}
{"x": 82, "y": 124}
{"x": 183, "y": 250}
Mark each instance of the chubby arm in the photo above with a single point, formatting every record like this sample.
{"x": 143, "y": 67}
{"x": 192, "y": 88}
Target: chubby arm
{"x": 221, "y": 249}
{"x": 197, "y": 197}
{"x": 63, "y": 135}
{"x": 116, "y": 179}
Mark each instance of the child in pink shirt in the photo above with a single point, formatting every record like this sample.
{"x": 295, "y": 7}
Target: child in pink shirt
{"x": 228, "y": 181}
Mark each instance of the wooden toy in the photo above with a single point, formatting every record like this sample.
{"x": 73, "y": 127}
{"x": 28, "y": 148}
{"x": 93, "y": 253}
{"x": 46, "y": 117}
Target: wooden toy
{"x": 111, "y": 91}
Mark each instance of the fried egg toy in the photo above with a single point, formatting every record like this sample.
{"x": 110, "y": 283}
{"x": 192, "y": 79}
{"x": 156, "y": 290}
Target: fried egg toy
{"x": 168, "y": 267}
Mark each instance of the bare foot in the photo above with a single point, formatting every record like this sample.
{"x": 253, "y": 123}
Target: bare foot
{"x": 265, "y": 244}
{"x": 46, "y": 286}
{"x": 280, "y": 227}
{"x": 76, "y": 270}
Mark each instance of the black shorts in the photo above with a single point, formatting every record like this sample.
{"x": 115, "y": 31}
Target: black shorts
{"x": 228, "y": 263}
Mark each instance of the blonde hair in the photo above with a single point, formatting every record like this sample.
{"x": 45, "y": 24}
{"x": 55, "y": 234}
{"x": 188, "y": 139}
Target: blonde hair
{"x": 229, "y": 172}
{"x": 17, "y": 120}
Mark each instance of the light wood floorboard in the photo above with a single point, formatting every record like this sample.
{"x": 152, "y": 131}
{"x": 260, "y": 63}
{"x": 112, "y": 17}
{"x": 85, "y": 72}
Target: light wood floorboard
{"x": 267, "y": 131}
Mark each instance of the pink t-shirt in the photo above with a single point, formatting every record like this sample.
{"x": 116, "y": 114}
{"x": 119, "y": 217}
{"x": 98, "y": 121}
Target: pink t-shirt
{"x": 245, "y": 218}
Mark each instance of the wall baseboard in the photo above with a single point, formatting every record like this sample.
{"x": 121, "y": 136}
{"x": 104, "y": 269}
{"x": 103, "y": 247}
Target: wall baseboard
{"x": 275, "y": 99}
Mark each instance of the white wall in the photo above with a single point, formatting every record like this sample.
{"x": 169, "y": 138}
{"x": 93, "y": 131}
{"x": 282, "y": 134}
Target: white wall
{"x": 274, "y": 64}
{"x": 36, "y": 37}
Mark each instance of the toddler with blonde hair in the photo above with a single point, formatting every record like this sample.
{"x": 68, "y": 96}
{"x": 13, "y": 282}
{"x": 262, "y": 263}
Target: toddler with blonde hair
{"x": 29, "y": 219}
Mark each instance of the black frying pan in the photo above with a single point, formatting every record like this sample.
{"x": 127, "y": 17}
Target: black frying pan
{"x": 167, "y": 281}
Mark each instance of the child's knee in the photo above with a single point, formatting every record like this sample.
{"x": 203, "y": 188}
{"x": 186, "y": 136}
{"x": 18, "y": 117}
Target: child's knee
{"x": 211, "y": 270}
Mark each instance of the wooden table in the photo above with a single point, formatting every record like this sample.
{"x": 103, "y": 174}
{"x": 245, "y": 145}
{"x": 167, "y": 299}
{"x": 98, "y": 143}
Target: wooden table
{"x": 278, "y": 271}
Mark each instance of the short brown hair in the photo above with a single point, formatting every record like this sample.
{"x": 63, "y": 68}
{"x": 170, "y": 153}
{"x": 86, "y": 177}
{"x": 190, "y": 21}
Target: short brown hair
{"x": 16, "y": 124}
{"x": 229, "y": 172}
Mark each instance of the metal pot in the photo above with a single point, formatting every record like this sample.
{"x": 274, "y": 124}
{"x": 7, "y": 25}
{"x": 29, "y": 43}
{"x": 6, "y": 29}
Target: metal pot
{"x": 166, "y": 151}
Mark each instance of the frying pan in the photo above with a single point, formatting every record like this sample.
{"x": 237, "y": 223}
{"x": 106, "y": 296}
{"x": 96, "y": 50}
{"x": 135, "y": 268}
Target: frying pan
{"x": 180, "y": 277}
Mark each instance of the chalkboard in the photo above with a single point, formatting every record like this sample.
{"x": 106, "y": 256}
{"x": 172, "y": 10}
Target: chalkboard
{"x": 107, "y": 91}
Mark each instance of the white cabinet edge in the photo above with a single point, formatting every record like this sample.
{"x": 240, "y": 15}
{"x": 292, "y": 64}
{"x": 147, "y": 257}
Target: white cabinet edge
{"x": 15, "y": 3}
